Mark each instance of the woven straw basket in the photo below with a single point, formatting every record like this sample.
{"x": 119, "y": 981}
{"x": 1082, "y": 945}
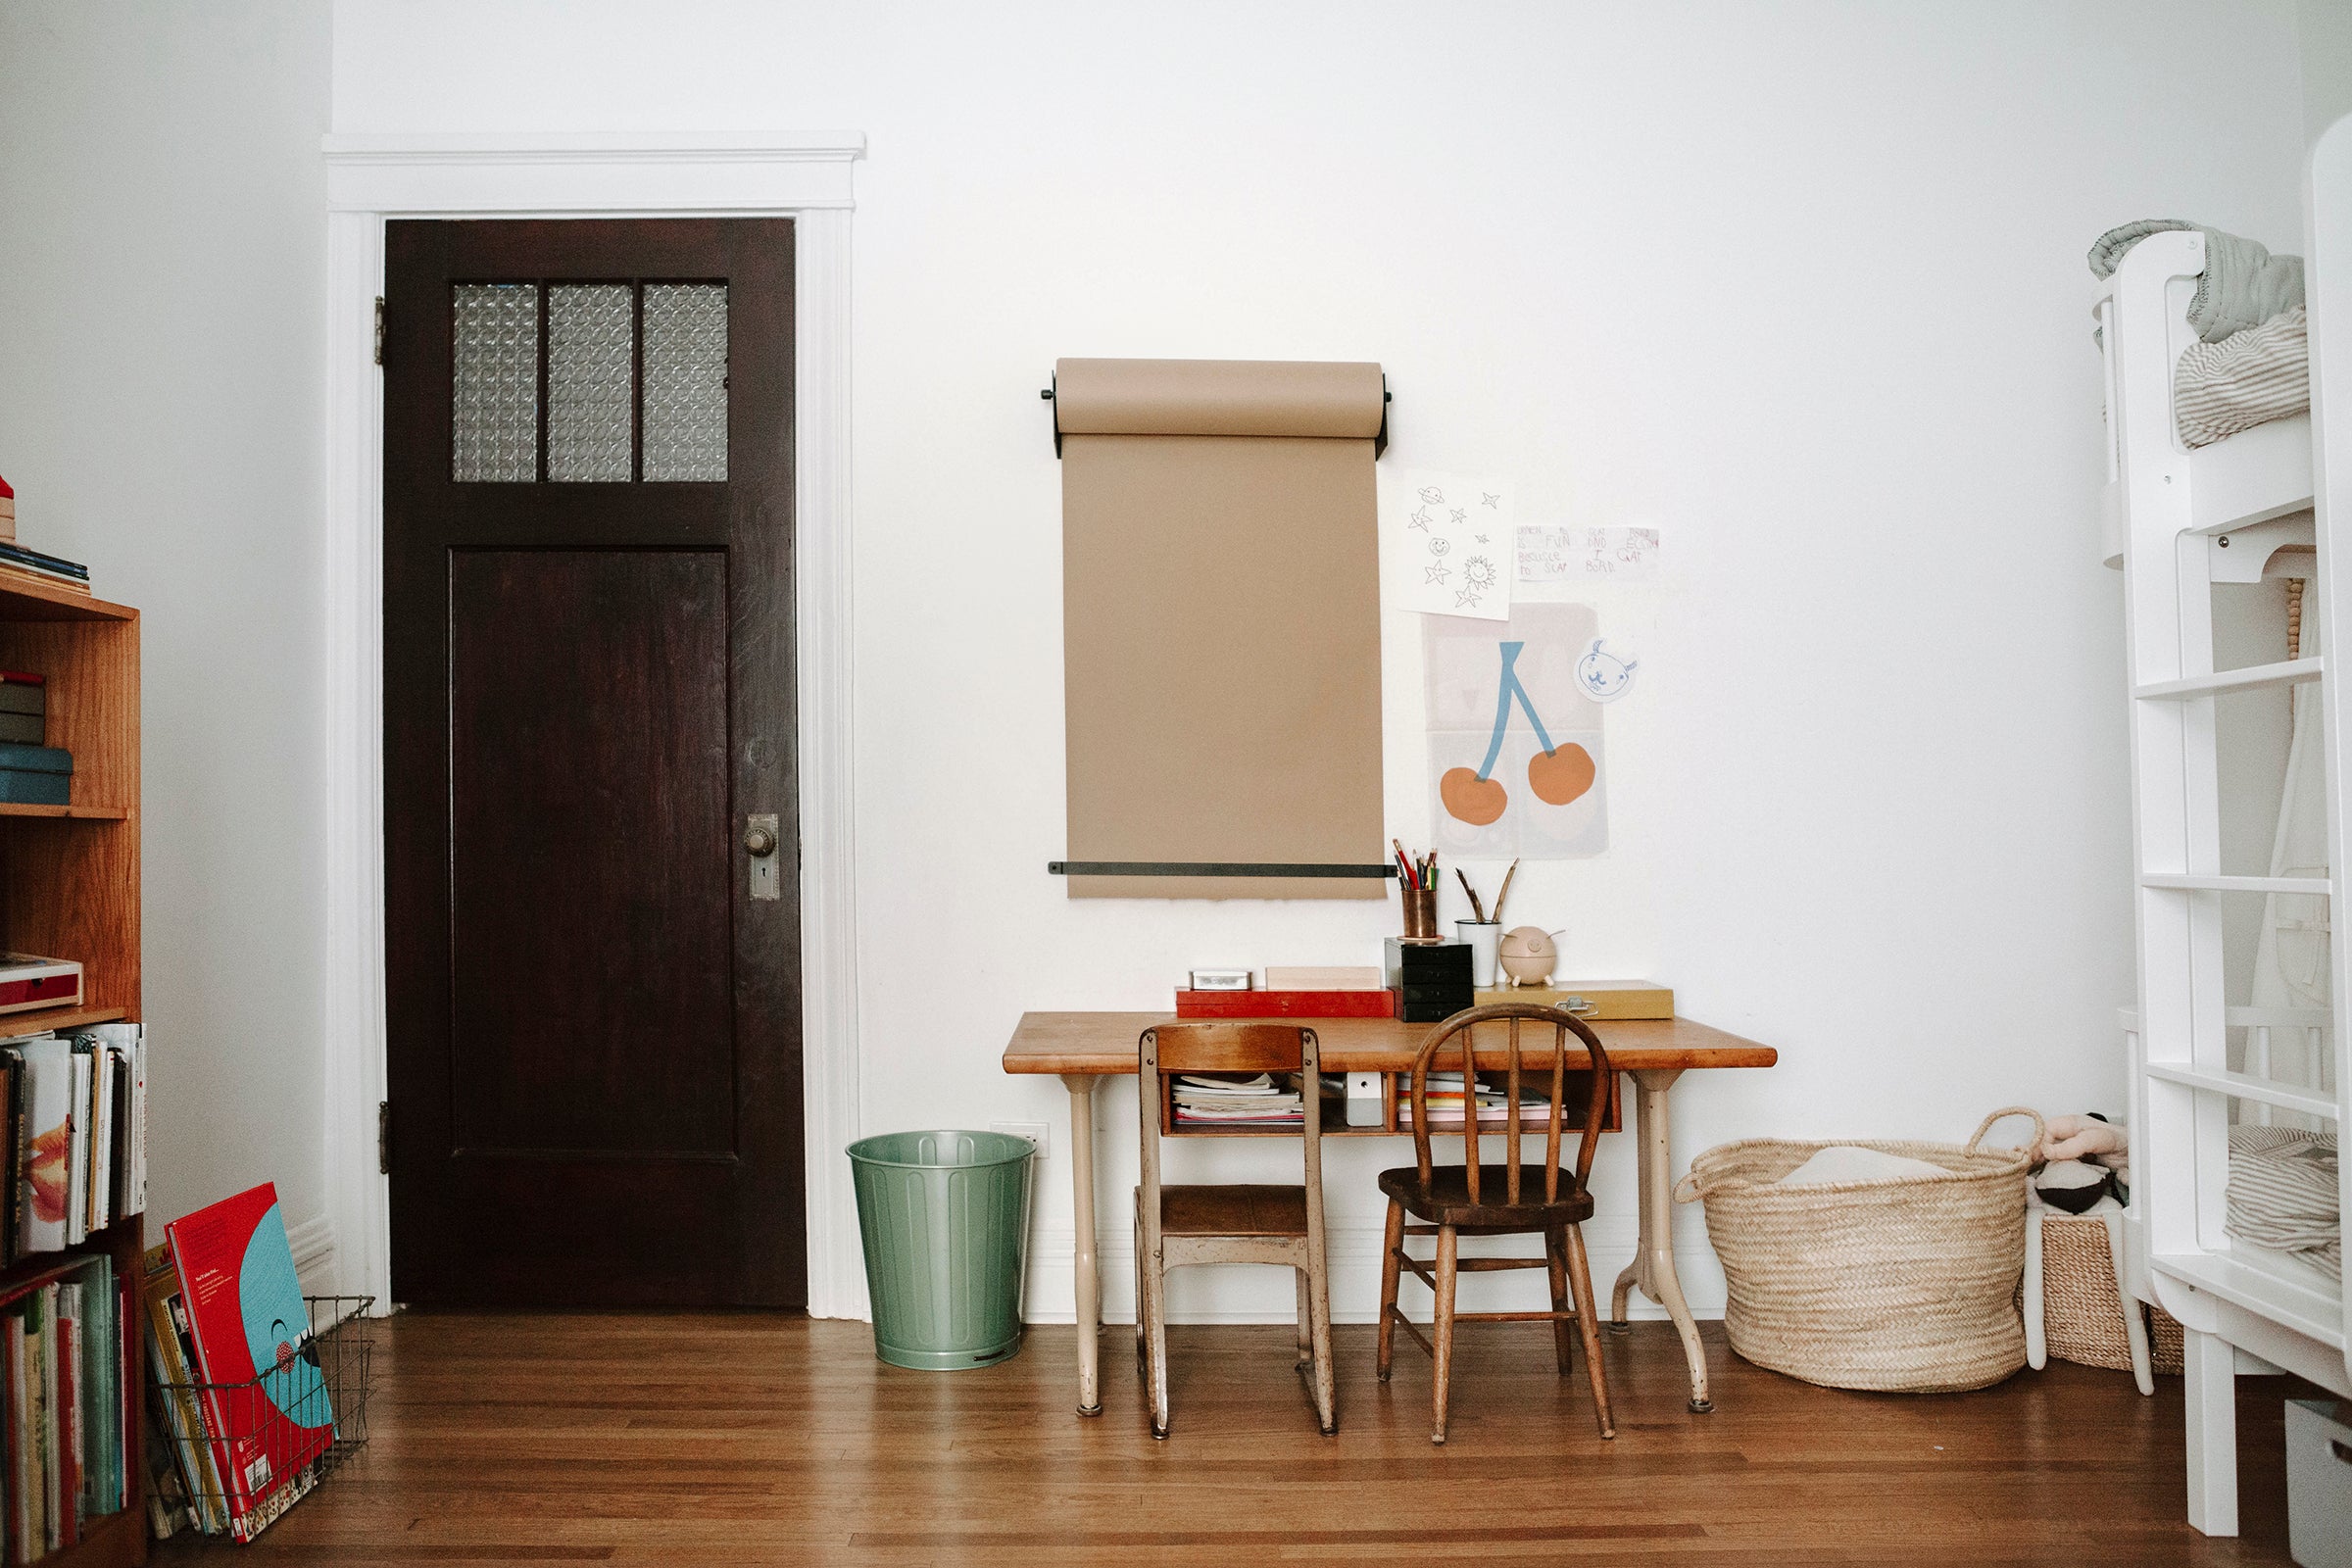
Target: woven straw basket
{"x": 1902, "y": 1286}
{"x": 2082, "y": 1314}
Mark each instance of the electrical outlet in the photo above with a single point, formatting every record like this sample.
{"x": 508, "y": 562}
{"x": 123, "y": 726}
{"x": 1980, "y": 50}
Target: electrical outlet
{"x": 1034, "y": 1131}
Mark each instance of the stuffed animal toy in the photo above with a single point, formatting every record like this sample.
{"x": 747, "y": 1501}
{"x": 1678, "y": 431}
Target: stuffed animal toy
{"x": 2084, "y": 1158}
{"x": 2081, "y": 1138}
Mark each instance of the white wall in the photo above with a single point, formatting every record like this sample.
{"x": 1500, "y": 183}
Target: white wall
{"x": 2324, "y": 31}
{"x": 161, "y": 289}
{"x": 1803, "y": 284}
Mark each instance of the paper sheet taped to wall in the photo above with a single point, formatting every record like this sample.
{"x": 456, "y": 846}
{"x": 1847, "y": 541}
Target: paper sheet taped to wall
{"x": 1221, "y": 624}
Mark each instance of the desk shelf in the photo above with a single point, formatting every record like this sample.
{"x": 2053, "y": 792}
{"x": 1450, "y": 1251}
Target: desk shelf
{"x": 1397, "y": 1093}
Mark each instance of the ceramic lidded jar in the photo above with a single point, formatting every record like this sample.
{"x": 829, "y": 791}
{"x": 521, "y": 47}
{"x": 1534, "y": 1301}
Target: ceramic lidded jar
{"x": 1527, "y": 955}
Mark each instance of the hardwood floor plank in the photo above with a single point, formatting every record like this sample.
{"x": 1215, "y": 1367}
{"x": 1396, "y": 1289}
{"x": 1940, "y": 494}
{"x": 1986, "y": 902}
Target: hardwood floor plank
{"x": 691, "y": 1441}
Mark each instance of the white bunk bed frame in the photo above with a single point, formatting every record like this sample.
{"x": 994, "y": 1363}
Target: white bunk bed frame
{"x": 2181, "y": 522}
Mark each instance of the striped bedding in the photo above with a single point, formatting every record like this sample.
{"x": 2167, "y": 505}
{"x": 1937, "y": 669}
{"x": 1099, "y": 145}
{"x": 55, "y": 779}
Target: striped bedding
{"x": 2247, "y": 378}
{"x": 2282, "y": 1194}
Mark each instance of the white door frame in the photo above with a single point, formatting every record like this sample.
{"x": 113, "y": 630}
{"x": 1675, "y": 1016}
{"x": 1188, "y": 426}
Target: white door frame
{"x": 804, "y": 176}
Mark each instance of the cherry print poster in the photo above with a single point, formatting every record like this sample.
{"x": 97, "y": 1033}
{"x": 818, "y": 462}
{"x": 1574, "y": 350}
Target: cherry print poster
{"x": 1515, "y": 757}
{"x": 1449, "y": 543}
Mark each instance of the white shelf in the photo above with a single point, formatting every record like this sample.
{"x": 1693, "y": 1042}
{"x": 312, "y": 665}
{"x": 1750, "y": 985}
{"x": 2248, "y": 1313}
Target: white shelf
{"x": 2316, "y": 886}
{"x": 2255, "y": 677}
{"x": 2267, "y": 1292}
{"x": 2244, "y": 1086}
{"x": 2251, "y": 477}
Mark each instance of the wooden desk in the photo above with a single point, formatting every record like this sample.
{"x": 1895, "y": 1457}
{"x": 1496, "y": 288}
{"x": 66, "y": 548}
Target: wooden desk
{"x": 1082, "y": 1049}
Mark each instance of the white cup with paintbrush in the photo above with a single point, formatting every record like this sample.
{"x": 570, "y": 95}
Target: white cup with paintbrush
{"x": 1484, "y": 933}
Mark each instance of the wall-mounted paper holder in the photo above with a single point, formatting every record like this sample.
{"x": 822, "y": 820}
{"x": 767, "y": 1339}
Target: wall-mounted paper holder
{"x": 1380, "y": 441}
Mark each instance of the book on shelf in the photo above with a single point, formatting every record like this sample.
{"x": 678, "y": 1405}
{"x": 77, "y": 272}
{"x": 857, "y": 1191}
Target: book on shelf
{"x": 24, "y": 693}
{"x": 1446, "y": 1100}
{"x": 1201, "y": 1099}
{"x": 16, "y": 556}
{"x": 62, "y": 1435}
{"x": 262, "y": 1399}
{"x": 36, "y": 776}
{"x": 74, "y": 1113}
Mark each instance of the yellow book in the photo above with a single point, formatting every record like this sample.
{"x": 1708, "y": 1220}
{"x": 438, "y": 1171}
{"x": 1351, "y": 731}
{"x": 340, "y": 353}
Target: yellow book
{"x": 1608, "y": 998}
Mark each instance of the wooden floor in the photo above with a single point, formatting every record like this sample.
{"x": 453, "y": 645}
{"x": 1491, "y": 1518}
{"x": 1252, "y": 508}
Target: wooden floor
{"x": 704, "y": 1439}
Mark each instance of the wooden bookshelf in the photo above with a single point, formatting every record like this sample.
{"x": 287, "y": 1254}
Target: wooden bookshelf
{"x": 69, "y": 889}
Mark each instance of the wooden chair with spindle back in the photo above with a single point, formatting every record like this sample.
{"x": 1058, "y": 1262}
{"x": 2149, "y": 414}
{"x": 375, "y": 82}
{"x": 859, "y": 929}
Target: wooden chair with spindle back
{"x": 1475, "y": 1198}
{"x": 1231, "y": 1224}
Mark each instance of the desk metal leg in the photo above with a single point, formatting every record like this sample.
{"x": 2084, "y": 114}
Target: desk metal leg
{"x": 1084, "y": 1270}
{"x": 1652, "y": 1269}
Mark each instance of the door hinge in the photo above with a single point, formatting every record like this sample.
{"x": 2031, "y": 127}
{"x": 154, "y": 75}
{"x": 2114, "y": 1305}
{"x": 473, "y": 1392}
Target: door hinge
{"x": 383, "y": 1138}
{"x": 379, "y": 330}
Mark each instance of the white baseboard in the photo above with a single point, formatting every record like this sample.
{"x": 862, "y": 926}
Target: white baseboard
{"x": 314, "y": 1245}
{"x": 1245, "y": 1295}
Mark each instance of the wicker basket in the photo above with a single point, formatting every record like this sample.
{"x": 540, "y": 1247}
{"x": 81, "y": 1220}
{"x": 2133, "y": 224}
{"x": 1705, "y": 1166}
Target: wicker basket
{"x": 1905, "y": 1286}
{"x": 2081, "y": 1312}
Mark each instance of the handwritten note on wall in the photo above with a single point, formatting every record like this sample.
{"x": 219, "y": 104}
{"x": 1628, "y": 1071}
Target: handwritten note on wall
{"x": 1587, "y": 554}
{"x": 1447, "y": 539}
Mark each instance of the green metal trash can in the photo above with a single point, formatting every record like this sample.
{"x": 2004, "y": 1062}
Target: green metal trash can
{"x": 944, "y": 1216}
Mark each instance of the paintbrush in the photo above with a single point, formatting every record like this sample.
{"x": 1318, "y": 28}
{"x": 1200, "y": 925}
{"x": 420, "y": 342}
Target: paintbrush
{"x": 1506, "y": 891}
{"x": 1477, "y": 910}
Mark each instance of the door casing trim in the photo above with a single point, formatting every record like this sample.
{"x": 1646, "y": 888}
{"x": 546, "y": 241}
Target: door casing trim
{"x": 805, "y": 176}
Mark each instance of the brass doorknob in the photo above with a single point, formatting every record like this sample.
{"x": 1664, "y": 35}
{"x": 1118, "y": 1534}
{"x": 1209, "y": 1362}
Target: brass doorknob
{"x": 760, "y": 840}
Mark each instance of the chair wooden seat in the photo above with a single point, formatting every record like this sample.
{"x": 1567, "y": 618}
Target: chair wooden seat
{"x": 1476, "y": 1198}
{"x": 1233, "y": 1211}
{"x": 1444, "y": 1198}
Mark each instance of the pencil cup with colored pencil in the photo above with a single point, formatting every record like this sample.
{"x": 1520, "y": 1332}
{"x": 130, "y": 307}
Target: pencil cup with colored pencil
{"x": 1420, "y": 913}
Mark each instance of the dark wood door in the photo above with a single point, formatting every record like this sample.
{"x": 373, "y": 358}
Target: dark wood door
{"x": 594, "y": 975}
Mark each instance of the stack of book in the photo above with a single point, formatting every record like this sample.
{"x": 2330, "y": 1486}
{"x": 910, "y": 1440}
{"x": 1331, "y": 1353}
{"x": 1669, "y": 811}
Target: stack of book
{"x": 19, "y": 563}
{"x": 242, "y": 1408}
{"x": 1446, "y": 1100}
{"x": 74, "y": 1115}
{"x": 63, "y": 1404}
{"x": 1296, "y": 993}
{"x": 1260, "y": 1101}
{"x": 23, "y": 708}
{"x": 8, "y": 513}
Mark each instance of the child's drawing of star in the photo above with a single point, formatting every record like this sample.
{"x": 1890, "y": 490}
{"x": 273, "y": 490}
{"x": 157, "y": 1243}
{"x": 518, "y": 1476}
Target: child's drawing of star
{"x": 1421, "y": 519}
{"x": 1482, "y": 538}
{"x": 1437, "y": 573}
{"x": 1468, "y": 596}
{"x": 1490, "y": 499}
{"x": 1460, "y": 517}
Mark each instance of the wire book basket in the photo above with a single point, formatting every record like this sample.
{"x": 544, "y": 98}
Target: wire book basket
{"x": 239, "y": 1454}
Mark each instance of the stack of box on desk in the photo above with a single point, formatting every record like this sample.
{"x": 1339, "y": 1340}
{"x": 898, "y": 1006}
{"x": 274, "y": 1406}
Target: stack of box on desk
{"x": 30, "y": 773}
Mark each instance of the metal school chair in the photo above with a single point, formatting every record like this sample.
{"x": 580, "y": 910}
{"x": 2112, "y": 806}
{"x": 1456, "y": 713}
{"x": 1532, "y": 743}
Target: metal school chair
{"x": 1175, "y": 1226}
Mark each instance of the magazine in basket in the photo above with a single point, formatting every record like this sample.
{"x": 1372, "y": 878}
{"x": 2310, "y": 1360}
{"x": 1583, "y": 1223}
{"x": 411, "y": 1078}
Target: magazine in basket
{"x": 267, "y": 1412}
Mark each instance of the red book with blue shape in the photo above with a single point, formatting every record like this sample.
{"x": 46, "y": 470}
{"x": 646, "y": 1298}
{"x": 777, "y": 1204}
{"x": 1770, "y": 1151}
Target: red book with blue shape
{"x": 266, "y": 1404}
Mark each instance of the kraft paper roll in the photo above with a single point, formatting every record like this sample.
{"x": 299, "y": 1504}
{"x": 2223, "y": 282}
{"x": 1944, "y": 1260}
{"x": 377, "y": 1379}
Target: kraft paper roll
{"x": 1221, "y": 622}
{"x": 1218, "y": 397}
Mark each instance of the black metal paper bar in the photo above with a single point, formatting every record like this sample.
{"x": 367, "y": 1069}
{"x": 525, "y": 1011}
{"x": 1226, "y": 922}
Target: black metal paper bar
{"x": 1210, "y": 868}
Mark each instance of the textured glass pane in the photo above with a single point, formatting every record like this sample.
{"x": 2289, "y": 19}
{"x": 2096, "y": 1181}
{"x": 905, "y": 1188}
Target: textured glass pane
{"x": 588, "y": 402}
{"x": 685, "y": 380}
{"x": 494, "y": 414}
